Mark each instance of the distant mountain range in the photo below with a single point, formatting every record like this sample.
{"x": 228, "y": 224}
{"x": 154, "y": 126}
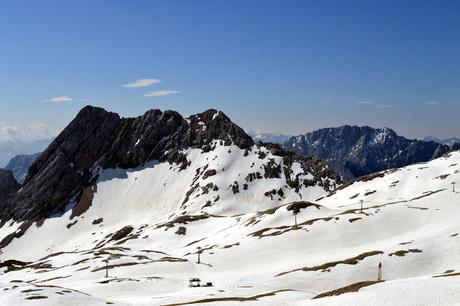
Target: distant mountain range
{"x": 11, "y": 148}
{"x": 278, "y": 138}
{"x": 351, "y": 151}
{"x": 20, "y": 164}
{"x": 354, "y": 151}
{"x": 447, "y": 141}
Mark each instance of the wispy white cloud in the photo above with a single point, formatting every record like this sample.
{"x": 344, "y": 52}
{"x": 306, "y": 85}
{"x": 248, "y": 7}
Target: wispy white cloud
{"x": 60, "y": 99}
{"x": 141, "y": 83}
{"x": 432, "y": 103}
{"x": 374, "y": 104}
{"x": 161, "y": 93}
{"x": 7, "y": 132}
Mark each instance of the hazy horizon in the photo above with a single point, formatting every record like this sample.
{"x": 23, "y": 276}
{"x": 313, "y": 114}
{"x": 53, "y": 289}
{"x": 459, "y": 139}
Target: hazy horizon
{"x": 39, "y": 131}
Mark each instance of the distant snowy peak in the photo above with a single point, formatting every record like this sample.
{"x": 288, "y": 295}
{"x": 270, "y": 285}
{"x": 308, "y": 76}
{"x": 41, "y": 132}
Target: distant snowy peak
{"x": 185, "y": 148}
{"x": 380, "y": 136}
{"x": 354, "y": 151}
{"x": 447, "y": 141}
{"x": 10, "y": 149}
{"x": 273, "y": 137}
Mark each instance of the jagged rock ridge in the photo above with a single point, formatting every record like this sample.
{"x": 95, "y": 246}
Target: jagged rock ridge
{"x": 97, "y": 138}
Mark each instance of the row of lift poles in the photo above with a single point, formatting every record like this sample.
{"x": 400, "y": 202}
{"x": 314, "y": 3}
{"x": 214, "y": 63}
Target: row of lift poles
{"x": 200, "y": 251}
{"x": 362, "y": 201}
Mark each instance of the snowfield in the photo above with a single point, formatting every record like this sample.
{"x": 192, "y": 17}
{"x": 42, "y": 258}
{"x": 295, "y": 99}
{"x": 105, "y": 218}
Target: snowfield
{"x": 147, "y": 227}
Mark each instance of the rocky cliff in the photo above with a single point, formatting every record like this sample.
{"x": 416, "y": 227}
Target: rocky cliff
{"x": 98, "y": 139}
{"x": 8, "y": 186}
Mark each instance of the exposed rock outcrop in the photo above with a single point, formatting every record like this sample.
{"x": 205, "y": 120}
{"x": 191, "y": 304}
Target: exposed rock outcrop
{"x": 8, "y": 186}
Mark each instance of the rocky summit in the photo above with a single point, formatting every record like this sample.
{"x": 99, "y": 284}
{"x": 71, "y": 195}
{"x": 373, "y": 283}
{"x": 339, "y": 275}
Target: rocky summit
{"x": 354, "y": 151}
{"x": 98, "y": 139}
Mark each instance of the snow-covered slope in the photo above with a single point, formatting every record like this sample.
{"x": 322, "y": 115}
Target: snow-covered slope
{"x": 139, "y": 222}
{"x": 220, "y": 183}
{"x": 199, "y": 178}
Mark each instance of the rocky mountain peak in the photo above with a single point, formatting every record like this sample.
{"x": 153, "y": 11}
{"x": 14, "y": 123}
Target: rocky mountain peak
{"x": 98, "y": 138}
{"x": 354, "y": 151}
{"x": 212, "y": 124}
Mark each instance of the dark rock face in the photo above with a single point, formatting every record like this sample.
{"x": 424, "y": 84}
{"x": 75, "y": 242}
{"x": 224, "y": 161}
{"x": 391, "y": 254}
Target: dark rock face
{"x": 8, "y": 186}
{"x": 122, "y": 233}
{"x": 356, "y": 151}
{"x": 20, "y": 165}
{"x": 211, "y": 125}
{"x": 100, "y": 138}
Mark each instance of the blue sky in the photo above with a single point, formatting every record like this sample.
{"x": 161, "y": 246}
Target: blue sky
{"x": 287, "y": 66}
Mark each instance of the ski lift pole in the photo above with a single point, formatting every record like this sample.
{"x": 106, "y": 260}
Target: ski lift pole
{"x": 199, "y": 251}
{"x": 361, "y": 202}
{"x": 106, "y": 268}
{"x": 453, "y": 187}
